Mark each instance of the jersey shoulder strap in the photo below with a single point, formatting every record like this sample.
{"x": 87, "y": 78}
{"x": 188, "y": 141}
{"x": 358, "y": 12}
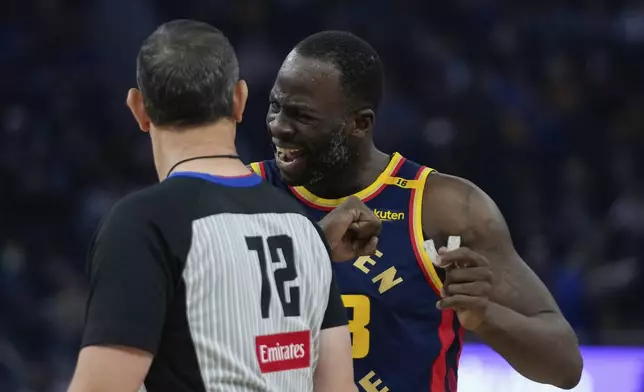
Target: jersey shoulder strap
{"x": 410, "y": 175}
{"x": 413, "y": 176}
{"x": 270, "y": 173}
{"x": 258, "y": 168}
{"x": 403, "y": 174}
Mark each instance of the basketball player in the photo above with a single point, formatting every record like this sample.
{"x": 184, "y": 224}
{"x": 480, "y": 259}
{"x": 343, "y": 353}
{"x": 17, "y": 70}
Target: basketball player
{"x": 211, "y": 280}
{"x": 406, "y": 314}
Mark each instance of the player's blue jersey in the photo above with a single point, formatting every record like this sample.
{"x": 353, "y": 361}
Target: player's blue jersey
{"x": 401, "y": 342}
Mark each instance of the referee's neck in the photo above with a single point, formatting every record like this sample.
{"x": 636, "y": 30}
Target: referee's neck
{"x": 172, "y": 145}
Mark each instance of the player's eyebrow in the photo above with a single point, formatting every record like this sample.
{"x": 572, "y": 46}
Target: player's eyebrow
{"x": 293, "y": 101}
{"x": 300, "y": 105}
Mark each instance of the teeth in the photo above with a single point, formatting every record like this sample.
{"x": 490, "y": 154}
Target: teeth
{"x": 286, "y": 150}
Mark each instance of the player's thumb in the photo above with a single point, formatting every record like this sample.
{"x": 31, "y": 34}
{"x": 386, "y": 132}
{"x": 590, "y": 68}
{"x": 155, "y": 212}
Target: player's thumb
{"x": 366, "y": 249}
{"x": 363, "y": 229}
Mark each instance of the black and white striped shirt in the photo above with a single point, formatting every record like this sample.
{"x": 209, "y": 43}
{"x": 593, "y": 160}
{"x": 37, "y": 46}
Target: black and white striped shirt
{"x": 223, "y": 279}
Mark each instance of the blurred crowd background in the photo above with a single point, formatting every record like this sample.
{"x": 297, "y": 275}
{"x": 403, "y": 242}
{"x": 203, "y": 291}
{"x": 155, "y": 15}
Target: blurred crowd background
{"x": 541, "y": 103}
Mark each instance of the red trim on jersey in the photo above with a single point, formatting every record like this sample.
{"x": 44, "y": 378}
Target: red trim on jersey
{"x": 366, "y": 199}
{"x": 308, "y": 203}
{"x": 452, "y": 382}
{"x": 262, "y": 170}
{"x": 446, "y": 337}
{"x": 461, "y": 339}
{"x": 413, "y": 243}
{"x": 398, "y": 166}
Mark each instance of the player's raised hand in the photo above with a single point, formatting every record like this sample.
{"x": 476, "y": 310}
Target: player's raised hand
{"x": 352, "y": 230}
{"x": 468, "y": 284}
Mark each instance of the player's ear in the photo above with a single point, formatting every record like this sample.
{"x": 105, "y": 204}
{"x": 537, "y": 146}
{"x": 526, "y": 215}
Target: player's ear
{"x": 363, "y": 122}
{"x": 135, "y": 103}
{"x": 239, "y": 100}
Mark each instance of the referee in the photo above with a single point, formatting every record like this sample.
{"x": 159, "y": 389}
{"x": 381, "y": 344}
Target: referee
{"x": 211, "y": 280}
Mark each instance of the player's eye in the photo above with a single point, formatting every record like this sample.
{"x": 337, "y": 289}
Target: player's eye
{"x": 273, "y": 105}
{"x": 304, "y": 118}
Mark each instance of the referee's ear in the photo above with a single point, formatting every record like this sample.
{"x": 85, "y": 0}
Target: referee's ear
{"x": 135, "y": 103}
{"x": 239, "y": 100}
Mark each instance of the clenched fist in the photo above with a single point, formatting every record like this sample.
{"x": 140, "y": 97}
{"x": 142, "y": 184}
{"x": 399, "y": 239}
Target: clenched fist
{"x": 352, "y": 230}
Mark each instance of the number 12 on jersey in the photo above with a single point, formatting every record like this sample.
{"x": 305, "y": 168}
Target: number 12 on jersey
{"x": 358, "y": 324}
{"x": 287, "y": 274}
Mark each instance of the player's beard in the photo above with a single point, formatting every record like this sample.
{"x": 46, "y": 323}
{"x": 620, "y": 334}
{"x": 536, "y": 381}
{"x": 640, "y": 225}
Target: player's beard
{"x": 331, "y": 159}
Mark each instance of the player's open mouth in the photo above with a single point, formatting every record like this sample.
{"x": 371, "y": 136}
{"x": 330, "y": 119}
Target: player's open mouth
{"x": 288, "y": 156}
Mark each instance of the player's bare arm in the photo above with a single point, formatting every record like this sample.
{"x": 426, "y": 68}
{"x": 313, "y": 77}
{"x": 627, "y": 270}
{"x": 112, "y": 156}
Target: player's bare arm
{"x": 494, "y": 292}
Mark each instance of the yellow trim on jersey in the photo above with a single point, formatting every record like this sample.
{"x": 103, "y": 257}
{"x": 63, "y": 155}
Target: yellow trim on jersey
{"x": 256, "y": 168}
{"x": 417, "y": 229}
{"x": 403, "y": 182}
{"x": 382, "y": 180}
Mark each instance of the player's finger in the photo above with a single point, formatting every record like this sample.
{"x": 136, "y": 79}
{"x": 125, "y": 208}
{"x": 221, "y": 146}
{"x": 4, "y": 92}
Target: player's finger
{"x": 466, "y": 275}
{"x": 370, "y": 248}
{"x": 366, "y": 229}
{"x": 365, "y": 248}
{"x": 351, "y": 202}
{"x": 463, "y": 258}
{"x": 357, "y": 210}
{"x": 459, "y": 302}
{"x": 458, "y": 258}
{"x": 474, "y": 289}
{"x": 335, "y": 225}
{"x": 366, "y": 214}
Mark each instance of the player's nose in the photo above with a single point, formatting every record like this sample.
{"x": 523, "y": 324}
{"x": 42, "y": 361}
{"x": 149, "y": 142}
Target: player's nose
{"x": 279, "y": 128}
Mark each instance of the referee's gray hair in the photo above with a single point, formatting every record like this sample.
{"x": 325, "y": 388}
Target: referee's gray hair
{"x": 187, "y": 71}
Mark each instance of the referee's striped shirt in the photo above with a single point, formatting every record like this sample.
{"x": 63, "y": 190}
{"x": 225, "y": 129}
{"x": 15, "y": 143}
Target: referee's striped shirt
{"x": 223, "y": 279}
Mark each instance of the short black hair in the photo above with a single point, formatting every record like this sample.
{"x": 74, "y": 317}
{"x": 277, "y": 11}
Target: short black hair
{"x": 361, "y": 69}
{"x": 187, "y": 71}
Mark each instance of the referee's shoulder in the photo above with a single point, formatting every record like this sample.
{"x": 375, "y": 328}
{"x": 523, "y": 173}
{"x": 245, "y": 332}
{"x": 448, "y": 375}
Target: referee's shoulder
{"x": 286, "y": 203}
{"x": 281, "y": 200}
{"x": 146, "y": 203}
